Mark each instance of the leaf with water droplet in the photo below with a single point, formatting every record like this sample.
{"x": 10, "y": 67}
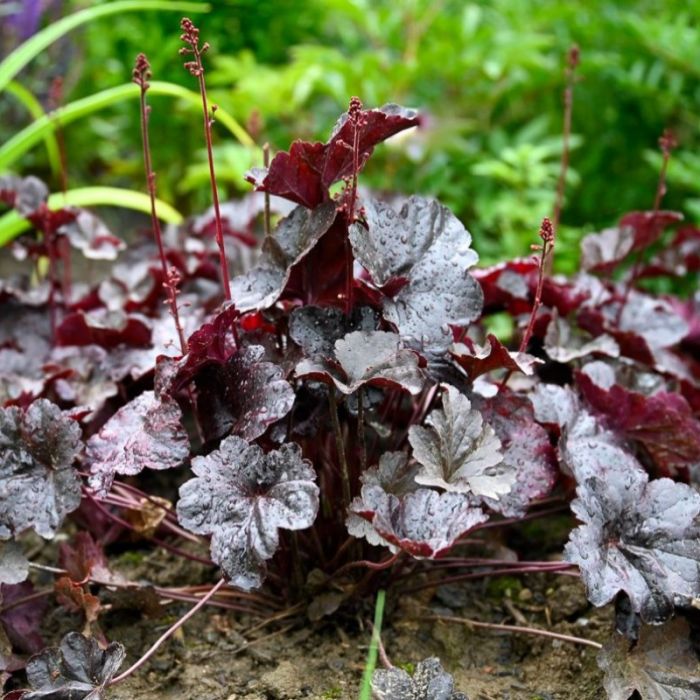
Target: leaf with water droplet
{"x": 78, "y": 669}
{"x": 145, "y": 433}
{"x": 242, "y": 497}
{"x": 374, "y": 358}
{"x": 637, "y": 536}
{"x": 423, "y": 523}
{"x": 459, "y": 452}
{"x": 38, "y": 483}
{"x": 428, "y": 682}
{"x": 663, "y": 665}
{"x": 243, "y": 396}
{"x": 434, "y": 259}
{"x": 294, "y": 237}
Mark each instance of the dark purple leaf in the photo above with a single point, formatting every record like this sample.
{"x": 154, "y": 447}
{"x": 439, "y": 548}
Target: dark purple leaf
{"x": 25, "y": 194}
{"x": 316, "y": 329}
{"x": 293, "y": 239}
{"x": 243, "y": 396}
{"x": 429, "y": 682}
{"x": 305, "y": 174}
{"x": 38, "y": 485}
{"x": 680, "y": 257}
{"x": 602, "y": 252}
{"x": 78, "y": 669}
{"x": 424, "y": 523}
{"x": 476, "y": 360}
{"x": 661, "y": 666}
{"x": 662, "y": 423}
{"x": 83, "y": 558}
{"x": 459, "y": 452}
{"x": 563, "y": 343}
{"x": 22, "y": 620}
{"x": 637, "y": 536}
{"x": 507, "y": 285}
{"x": 104, "y": 328}
{"x": 526, "y": 449}
{"x": 374, "y": 358}
{"x": 145, "y": 433}
{"x": 14, "y": 567}
{"x": 427, "y": 245}
{"x": 647, "y": 226}
{"x": 242, "y": 497}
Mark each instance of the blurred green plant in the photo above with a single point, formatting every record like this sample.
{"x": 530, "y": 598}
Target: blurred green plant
{"x": 488, "y": 76}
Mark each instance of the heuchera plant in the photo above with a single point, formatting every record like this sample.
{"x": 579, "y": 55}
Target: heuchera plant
{"x": 341, "y": 406}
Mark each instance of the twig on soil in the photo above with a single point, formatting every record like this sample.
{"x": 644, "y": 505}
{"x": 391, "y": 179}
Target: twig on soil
{"x": 514, "y": 628}
{"x": 167, "y": 634}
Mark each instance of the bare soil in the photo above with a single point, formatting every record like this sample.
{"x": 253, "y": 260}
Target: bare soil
{"x": 220, "y": 655}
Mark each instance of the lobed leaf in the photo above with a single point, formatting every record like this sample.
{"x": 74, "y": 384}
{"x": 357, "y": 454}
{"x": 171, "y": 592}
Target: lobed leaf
{"x": 305, "y": 174}
{"x": 242, "y": 497}
{"x": 373, "y": 358}
{"x": 663, "y": 665}
{"x": 459, "y": 452}
{"x": 38, "y": 485}
{"x": 145, "y": 433}
{"x": 429, "y": 682}
{"x": 423, "y": 523}
{"x": 426, "y": 245}
{"x": 78, "y": 669}
{"x": 291, "y": 241}
{"x": 639, "y": 537}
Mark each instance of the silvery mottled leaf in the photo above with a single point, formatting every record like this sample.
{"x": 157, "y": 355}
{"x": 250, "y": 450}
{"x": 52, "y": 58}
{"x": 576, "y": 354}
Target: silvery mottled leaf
{"x": 145, "y": 433}
{"x": 89, "y": 234}
{"x": 429, "y": 247}
{"x": 661, "y": 666}
{"x": 38, "y": 485}
{"x": 602, "y": 252}
{"x": 394, "y": 475}
{"x": 459, "y": 452}
{"x": 25, "y": 194}
{"x": 243, "y": 396}
{"x": 293, "y": 238}
{"x": 376, "y": 358}
{"x": 78, "y": 669}
{"x": 555, "y": 404}
{"x": 563, "y": 344}
{"x": 423, "y": 523}
{"x": 637, "y": 536}
{"x": 653, "y": 319}
{"x": 242, "y": 497}
{"x": 14, "y": 567}
{"x": 429, "y": 682}
{"x": 526, "y": 449}
{"x": 316, "y": 329}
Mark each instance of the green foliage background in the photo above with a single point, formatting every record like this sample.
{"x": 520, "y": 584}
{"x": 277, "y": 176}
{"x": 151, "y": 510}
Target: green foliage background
{"x": 488, "y": 75}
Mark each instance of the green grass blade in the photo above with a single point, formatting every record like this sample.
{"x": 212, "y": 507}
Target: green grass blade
{"x": 24, "y": 140}
{"x": 33, "y": 106}
{"x": 31, "y": 48}
{"x": 12, "y": 224}
{"x": 370, "y": 665}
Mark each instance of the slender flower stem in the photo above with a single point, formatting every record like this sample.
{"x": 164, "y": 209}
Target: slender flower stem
{"x": 361, "y": 430}
{"x": 141, "y": 75}
{"x": 266, "y": 163}
{"x": 514, "y": 628}
{"x": 190, "y": 37}
{"x": 571, "y": 65}
{"x": 167, "y": 634}
{"x": 340, "y": 446}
